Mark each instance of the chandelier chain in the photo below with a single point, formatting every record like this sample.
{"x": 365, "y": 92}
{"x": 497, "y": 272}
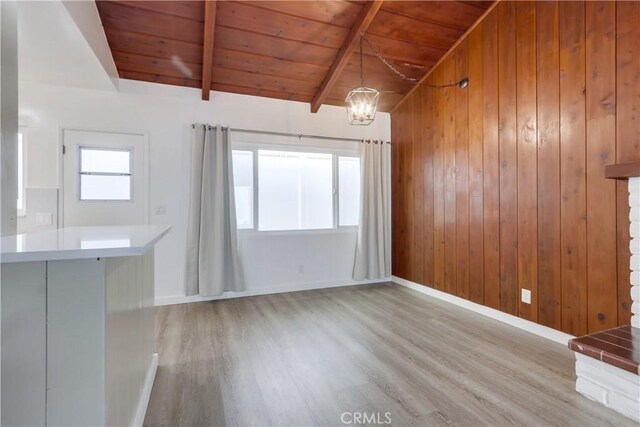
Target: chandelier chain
{"x": 394, "y": 69}
{"x": 385, "y": 62}
{"x": 361, "y": 63}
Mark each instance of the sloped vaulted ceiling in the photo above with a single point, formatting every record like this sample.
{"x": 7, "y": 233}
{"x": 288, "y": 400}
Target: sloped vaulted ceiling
{"x": 283, "y": 49}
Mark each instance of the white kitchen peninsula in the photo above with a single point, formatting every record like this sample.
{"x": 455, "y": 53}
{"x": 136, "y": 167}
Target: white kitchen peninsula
{"x": 77, "y": 325}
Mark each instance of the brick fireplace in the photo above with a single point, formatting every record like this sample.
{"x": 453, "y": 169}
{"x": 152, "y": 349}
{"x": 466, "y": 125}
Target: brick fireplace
{"x": 634, "y": 202}
{"x": 608, "y": 362}
{"x": 631, "y": 172}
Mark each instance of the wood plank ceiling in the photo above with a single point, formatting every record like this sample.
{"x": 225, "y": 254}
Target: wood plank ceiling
{"x": 283, "y": 49}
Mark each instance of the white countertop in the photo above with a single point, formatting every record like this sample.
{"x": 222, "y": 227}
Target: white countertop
{"x": 81, "y": 243}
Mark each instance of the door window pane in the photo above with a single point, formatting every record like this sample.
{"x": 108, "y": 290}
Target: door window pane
{"x": 295, "y": 190}
{"x": 105, "y": 187}
{"x": 105, "y": 161}
{"x": 243, "y": 185}
{"x": 349, "y": 190}
{"x": 105, "y": 174}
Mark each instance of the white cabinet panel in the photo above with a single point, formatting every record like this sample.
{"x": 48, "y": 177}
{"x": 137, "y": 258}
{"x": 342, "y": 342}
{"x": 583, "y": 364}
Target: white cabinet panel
{"x": 76, "y": 307}
{"x": 23, "y": 343}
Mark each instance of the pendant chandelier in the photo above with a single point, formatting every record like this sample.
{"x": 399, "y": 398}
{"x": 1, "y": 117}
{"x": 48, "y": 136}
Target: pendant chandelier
{"x": 362, "y": 102}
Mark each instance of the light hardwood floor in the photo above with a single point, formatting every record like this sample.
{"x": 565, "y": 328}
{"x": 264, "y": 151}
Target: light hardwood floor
{"x": 305, "y": 358}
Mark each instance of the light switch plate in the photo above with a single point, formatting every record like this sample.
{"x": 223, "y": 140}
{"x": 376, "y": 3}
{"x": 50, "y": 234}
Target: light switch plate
{"x": 44, "y": 218}
{"x": 526, "y": 296}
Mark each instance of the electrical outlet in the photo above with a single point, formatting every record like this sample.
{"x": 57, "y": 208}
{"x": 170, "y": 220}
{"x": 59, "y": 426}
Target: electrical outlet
{"x": 161, "y": 210}
{"x": 300, "y": 268}
{"x": 526, "y": 296}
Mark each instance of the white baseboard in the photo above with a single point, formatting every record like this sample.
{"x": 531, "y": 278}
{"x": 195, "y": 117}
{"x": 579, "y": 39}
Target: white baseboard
{"x": 526, "y": 325}
{"x": 294, "y": 287}
{"x": 143, "y": 403}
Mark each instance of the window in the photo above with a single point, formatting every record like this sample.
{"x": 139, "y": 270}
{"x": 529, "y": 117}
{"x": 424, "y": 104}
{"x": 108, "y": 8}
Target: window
{"x": 279, "y": 189}
{"x": 349, "y": 190}
{"x": 105, "y": 174}
{"x": 243, "y": 184}
{"x": 295, "y": 190}
{"x": 21, "y": 175}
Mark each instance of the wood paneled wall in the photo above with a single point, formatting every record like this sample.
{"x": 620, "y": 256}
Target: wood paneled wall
{"x": 500, "y": 187}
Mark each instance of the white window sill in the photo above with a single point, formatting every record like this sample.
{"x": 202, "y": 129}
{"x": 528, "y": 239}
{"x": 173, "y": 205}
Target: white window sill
{"x": 272, "y": 233}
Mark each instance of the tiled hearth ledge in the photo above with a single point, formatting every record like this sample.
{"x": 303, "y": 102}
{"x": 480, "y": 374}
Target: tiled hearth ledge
{"x": 608, "y": 362}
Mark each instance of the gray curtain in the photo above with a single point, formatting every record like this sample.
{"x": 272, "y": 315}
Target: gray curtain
{"x": 212, "y": 264}
{"x": 373, "y": 248}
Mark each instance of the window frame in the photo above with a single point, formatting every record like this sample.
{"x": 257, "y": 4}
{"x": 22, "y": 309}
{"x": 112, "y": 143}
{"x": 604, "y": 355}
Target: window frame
{"x": 130, "y": 150}
{"x": 255, "y": 147}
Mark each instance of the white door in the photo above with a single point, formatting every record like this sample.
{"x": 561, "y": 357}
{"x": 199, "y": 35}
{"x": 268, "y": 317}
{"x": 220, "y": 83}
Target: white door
{"x": 105, "y": 180}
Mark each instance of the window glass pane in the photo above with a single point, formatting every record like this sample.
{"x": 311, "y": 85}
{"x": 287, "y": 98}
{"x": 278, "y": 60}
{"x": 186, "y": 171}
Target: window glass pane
{"x": 349, "y": 190}
{"x": 105, "y": 161}
{"x": 20, "y": 173}
{"x": 295, "y": 190}
{"x": 317, "y": 191}
{"x": 105, "y": 187}
{"x": 243, "y": 184}
{"x": 279, "y": 190}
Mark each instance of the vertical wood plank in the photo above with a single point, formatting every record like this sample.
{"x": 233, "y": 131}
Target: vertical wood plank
{"x": 449, "y": 146}
{"x": 491, "y": 161}
{"x": 572, "y": 156}
{"x": 508, "y": 158}
{"x": 400, "y": 141}
{"x": 406, "y": 192}
{"x": 601, "y": 149}
{"x": 428, "y": 183}
{"x": 461, "y": 57}
{"x": 548, "y": 101}
{"x": 476, "y": 215}
{"x": 409, "y": 200}
{"x": 527, "y": 159}
{"x": 418, "y": 188}
{"x": 395, "y": 173}
{"x": 396, "y": 176}
{"x": 628, "y": 137}
{"x": 438, "y": 182}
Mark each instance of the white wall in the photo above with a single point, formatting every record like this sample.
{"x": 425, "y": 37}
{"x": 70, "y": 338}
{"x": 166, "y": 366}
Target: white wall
{"x": 271, "y": 260}
{"x": 8, "y": 116}
{"x": 63, "y": 43}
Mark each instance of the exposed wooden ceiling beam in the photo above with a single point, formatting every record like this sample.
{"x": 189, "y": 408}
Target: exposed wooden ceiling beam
{"x": 362, "y": 23}
{"x": 207, "y": 48}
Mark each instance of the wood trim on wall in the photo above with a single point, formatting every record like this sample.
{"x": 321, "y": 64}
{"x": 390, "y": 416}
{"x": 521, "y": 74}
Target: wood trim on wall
{"x": 623, "y": 170}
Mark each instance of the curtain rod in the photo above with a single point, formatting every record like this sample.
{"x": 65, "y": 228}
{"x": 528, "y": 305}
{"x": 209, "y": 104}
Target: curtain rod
{"x": 295, "y": 135}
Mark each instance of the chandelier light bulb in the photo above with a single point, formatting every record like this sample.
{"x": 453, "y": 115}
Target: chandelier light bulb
{"x": 362, "y": 103}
